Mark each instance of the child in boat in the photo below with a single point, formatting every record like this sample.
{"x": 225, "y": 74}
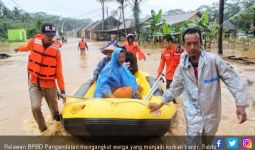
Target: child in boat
{"x": 108, "y": 52}
{"x": 131, "y": 60}
{"x": 115, "y": 80}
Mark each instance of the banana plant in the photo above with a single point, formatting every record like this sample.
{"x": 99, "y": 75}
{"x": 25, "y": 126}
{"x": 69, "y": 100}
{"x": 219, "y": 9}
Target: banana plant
{"x": 155, "y": 21}
{"x": 166, "y": 29}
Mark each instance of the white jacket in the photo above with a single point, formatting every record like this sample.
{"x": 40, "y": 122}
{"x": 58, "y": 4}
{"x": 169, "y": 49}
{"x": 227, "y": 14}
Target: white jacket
{"x": 202, "y": 99}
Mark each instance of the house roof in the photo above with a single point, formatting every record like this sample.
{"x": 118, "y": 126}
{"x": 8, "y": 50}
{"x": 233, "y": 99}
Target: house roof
{"x": 93, "y": 26}
{"x": 228, "y": 25}
{"x": 177, "y": 18}
{"x": 130, "y": 23}
{"x": 80, "y": 28}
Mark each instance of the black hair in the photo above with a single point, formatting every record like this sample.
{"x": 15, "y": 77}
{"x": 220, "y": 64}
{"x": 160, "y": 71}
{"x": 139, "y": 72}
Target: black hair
{"x": 122, "y": 47}
{"x": 122, "y": 51}
{"x": 168, "y": 38}
{"x": 192, "y": 31}
{"x": 130, "y": 37}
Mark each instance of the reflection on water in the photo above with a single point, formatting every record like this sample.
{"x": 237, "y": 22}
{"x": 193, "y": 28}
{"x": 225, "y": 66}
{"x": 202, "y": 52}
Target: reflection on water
{"x": 83, "y": 60}
{"x": 9, "y": 47}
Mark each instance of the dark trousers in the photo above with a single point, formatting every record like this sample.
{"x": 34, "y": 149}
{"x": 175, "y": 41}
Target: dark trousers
{"x": 168, "y": 83}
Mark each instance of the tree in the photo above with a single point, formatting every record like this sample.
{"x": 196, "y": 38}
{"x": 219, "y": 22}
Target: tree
{"x": 102, "y": 4}
{"x": 123, "y": 14}
{"x": 246, "y": 17}
{"x": 32, "y": 21}
{"x": 135, "y": 5}
{"x": 175, "y": 11}
{"x": 155, "y": 20}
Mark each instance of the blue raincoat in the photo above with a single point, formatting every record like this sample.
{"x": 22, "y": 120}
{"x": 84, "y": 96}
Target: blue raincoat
{"x": 114, "y": 76}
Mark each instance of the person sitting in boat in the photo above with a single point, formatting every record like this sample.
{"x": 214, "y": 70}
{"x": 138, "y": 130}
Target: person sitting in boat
{"x": 108, "y": 52}
{"x": 115, "y": 80}
{"x": 130, "y": 61}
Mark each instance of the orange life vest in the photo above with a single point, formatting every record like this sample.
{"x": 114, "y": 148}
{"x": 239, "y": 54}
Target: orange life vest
{"x": 82, "y": 44}
{"x": 43, "y": 62}
{"x": 171, "y": 58}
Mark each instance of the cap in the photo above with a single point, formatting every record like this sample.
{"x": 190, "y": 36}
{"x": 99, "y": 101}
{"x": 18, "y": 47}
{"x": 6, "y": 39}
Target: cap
{"x": 49, "y": 29}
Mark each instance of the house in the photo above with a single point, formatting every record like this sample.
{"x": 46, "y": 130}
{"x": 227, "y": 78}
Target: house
{"x": 119, "y": 31}
{"x": 94, "y": 30}
{"x": 229, "y": 27}
{"x": 172, "y": 19}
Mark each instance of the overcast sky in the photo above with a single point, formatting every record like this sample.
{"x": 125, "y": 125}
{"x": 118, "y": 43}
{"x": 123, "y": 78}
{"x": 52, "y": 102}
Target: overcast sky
{"x": 92, "y": 8}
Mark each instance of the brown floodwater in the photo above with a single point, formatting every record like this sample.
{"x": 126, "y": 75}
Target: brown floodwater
{"x": 16, "y": 117}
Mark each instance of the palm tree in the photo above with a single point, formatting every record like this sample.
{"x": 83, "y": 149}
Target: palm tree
{"x": 123, "y": 16}
{"x": 135, "y": 5}
{"x": 102, "y": 3}
{"x": 220, "y": 30}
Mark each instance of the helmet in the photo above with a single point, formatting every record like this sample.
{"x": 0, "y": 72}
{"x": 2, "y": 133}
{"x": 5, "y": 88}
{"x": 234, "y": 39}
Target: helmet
{"x": 130, "y": 36}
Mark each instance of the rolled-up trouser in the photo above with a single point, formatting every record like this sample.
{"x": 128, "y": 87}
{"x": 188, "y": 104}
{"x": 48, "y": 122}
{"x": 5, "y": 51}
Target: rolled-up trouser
{"x": 168, "y": 83}
{"x": 82, "y": 51}
{"x": 199, "y": 139}
{"x": 36, "y": 95}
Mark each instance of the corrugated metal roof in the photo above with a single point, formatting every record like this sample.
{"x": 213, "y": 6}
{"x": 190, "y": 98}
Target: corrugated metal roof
{"x": 93, "y": 26}
{"x": 228, "y": 25}
{"x": 177, "y": 18}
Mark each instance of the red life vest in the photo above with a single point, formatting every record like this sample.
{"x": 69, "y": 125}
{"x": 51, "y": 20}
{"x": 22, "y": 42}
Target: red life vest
{"x": 43, "y": 62}
{"x": 82, "y": 44}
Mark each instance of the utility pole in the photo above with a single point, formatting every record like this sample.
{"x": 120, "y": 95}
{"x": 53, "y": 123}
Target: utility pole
{"x": 108, "y": 21}
{"x": 220, "y": 30}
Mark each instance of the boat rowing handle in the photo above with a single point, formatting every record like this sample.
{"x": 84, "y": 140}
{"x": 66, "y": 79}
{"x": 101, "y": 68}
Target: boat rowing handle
{"x": 155, "y": 87}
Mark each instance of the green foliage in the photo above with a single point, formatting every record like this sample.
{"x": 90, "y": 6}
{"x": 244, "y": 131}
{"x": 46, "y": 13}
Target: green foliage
{"x": 11, "y": 19}
{"x": 166, "y": 29}
{"x": 239, "y": 12}
{"x": 213, "y": 30}
{"x": 155, "y": 20}
{"x": 205, "y": 18}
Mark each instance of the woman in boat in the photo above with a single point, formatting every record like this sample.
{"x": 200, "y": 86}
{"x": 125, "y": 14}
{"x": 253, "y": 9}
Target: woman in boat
{"x": 115, "y": 80}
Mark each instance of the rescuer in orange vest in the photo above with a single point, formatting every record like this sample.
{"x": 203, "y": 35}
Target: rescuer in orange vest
{"x": 44, "y": 67}
{"x": 132, "y": 47}
{"x": 170, "y": 57}
{"x": 82, "y": 46}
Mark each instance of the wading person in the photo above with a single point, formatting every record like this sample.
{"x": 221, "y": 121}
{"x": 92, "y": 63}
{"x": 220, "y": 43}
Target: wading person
{"x": 44, "y": 67}
{"x": 198, "y": 77}
{"x": 170, "y": 56}
{"x": 82, "y": 46}
{"x": 132, "y": 47}
{"x": 113, "y": 42}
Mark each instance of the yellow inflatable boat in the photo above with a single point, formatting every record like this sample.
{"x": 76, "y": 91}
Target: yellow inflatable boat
{"x": 99, "y": 117}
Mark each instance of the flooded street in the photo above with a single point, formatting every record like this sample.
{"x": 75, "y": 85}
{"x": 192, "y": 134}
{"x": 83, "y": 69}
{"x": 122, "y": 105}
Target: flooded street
{"x": 16, "y": 116}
